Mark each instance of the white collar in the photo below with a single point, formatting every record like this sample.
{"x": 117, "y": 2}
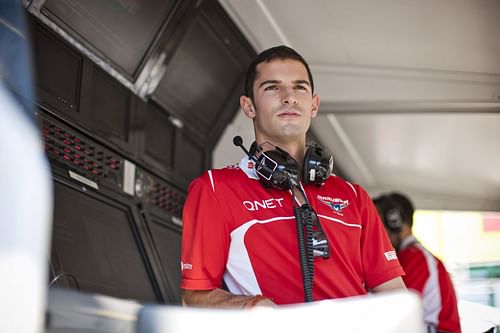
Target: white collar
{"x": 248, "y": 167}
{"x": 407, "y": 242}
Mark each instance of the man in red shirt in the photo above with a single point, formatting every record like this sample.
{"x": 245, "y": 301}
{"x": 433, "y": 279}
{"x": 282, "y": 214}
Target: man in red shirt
{"x": 240, "y": 246}
{"x": 425, "y": 273}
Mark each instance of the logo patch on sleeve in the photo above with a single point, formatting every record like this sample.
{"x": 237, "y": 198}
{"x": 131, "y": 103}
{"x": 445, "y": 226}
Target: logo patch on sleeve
{"x": 186, "y": 266}
{"x": 391, "y": 255}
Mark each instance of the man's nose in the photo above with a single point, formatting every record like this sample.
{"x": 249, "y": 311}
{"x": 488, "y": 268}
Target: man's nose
{"x": 288, "y": 97}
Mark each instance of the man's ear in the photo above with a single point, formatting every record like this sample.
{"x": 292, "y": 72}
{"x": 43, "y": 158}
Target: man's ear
{"x": 247, "y": 106}
{"x": 315, "y": 106}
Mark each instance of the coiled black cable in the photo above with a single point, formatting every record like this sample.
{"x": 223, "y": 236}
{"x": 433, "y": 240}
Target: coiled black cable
{"x": 303, "y": 218}
{"x": 308, "y": 221}
{"x": 307, "y": 276}
{"x": 305, "y": 241}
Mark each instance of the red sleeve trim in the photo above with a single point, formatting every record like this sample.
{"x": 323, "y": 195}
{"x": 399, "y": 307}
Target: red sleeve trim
{"x": 387, "y": 275}
{"x": 197, "y": 285}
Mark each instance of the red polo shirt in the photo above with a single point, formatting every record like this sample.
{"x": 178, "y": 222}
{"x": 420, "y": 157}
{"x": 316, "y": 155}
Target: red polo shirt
{"x": 427, "y": 275}
{"x": 237, "y": 230}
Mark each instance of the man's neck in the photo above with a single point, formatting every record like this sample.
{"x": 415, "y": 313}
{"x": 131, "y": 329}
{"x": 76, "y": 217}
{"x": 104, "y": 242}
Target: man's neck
{"x": 296, "y": 148}
{"x": 406, "y": 241}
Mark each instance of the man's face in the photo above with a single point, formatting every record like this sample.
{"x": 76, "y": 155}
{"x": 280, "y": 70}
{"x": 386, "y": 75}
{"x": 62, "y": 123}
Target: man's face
{"x": 283, "y": 101}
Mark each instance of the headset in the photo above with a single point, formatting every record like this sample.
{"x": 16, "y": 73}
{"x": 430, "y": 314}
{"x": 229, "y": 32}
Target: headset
{"x": 391, "y": 213}
{"x": 277, "y": 169}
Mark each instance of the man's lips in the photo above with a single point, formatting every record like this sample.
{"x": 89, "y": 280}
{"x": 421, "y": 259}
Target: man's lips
{"x": 289, "y": 113}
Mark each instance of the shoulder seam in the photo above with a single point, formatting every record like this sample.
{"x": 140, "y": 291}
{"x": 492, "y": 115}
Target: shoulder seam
{"x": 352, "y": 187}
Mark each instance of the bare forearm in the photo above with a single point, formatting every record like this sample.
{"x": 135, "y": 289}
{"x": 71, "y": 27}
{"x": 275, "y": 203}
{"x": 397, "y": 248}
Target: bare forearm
{"x": 218, "y": 298}
{"x": 394, "y": 284}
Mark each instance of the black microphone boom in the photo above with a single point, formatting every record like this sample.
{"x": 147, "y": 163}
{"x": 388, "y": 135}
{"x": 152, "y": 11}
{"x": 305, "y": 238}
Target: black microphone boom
{"x": 238, "y": 142}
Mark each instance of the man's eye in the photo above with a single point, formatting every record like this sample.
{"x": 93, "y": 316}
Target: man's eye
{"x": 271, "y": 88}
{"x": 299, "y": 87}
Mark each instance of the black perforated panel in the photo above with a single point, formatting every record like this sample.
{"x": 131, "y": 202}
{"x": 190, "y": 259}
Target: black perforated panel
{"x": 81, "y": 154}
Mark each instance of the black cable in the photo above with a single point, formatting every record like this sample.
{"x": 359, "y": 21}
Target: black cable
{"x": 306, "y": 210}
{"x": 306, "y": 259}
{"x": 303, "y": 256}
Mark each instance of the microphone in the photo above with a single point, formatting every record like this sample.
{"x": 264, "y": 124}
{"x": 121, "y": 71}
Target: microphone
{"x": 238, "y": 142}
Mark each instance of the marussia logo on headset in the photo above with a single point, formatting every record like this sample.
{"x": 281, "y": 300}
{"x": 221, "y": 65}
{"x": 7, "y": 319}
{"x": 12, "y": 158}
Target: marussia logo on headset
{"x": 336, "y": 204}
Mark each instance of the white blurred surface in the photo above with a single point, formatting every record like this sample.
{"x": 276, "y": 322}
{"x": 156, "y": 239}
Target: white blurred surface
{"x": 476, "y": 317}
{"x": 25, "y": 221}
{"x": 387, "y": 313}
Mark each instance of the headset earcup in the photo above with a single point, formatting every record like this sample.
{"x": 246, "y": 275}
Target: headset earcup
{"x": 276, "y": 167}
{"x": 317, "y": 166}
{"x": 305, "y": 167}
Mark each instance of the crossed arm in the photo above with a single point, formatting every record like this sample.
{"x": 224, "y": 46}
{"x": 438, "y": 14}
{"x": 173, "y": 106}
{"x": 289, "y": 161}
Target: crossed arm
{"x": 218, "y": 298}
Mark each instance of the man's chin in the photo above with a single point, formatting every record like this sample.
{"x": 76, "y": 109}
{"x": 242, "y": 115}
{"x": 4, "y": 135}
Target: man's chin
{"x": 291, "y": 131}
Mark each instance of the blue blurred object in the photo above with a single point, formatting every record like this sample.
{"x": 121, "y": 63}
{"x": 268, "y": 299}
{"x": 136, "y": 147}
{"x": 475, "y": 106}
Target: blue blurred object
{"x": 15, "y": 54}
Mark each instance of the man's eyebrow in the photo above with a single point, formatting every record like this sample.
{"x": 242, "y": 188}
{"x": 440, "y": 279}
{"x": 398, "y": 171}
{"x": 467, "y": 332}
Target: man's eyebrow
{"x": 302, "y": 82}
{"x": 269, "y": 82}
{"x": 278, "y": 81}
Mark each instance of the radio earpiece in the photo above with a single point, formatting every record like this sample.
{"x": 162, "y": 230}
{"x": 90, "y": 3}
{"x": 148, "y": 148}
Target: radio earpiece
{"x": 390, "y": 212}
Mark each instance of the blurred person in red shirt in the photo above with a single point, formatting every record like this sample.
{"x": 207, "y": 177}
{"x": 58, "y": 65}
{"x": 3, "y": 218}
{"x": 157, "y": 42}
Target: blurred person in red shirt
{"x": 425, "y": 273}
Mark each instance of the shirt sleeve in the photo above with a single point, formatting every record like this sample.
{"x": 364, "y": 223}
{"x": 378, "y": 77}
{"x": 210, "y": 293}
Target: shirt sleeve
{"x": 380, "y": 261}
{"x": 205, "y": 238}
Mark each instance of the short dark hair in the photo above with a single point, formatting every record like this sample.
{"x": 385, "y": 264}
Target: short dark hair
{"x": 407, "y": 208}
{"x": 278, "y": 52}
